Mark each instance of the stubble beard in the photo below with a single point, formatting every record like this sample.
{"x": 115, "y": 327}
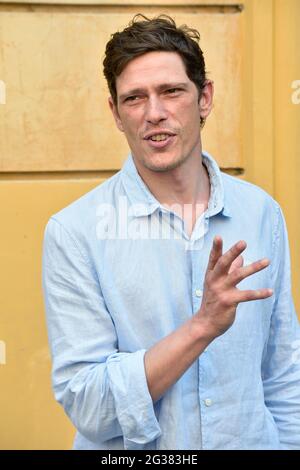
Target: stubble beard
{"x": 164, "y": 168}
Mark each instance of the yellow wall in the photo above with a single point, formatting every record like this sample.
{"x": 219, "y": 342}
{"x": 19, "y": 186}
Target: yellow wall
{"x": 287, "y": 125}
{"x": 55, "y": 144}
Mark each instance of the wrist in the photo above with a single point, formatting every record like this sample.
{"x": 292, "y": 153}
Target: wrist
{"x": 201, "y": 330}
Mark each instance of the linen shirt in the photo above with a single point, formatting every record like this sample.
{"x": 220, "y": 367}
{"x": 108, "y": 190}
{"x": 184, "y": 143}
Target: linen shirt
{"x": 114, "y": 287}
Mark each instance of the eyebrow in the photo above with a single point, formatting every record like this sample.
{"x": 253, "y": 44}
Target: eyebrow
{"x": 163, "y": 86}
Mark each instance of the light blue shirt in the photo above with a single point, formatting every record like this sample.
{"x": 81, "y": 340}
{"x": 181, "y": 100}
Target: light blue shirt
{"x": 112, "y": 291}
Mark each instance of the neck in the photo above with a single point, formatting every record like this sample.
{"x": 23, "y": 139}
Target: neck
{"x": 186, "y": 184}
{"x": 185, "y": 190}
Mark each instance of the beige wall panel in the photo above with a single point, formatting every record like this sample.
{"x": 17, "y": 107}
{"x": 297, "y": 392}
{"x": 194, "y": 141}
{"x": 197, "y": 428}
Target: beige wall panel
{"x": 287, "y": 125}
{"x": 30, "y": 417}
{"x": 56, "y": 115}
{"x": 258, "y": 98}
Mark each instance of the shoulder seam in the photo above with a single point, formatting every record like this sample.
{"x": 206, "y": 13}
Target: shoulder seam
{"x": 250, "y": 185}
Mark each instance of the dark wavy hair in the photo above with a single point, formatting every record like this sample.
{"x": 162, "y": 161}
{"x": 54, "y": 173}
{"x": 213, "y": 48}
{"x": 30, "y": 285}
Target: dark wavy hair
{"x": 144, "y": 35}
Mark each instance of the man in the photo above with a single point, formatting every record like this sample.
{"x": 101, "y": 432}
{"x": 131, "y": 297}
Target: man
{"x": 160, "y": 338}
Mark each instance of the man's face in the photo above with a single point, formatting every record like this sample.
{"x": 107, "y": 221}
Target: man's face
{"x": 159, "y": 111}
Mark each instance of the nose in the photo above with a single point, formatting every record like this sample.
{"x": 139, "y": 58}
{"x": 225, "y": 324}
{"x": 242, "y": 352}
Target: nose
{"x": 155, "y": 111}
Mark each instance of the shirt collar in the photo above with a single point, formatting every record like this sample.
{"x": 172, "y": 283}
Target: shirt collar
{"x": 217, "y": 201}
{"x": 144, "y": 203}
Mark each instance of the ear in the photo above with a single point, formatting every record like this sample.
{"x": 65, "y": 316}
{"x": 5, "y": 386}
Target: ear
{"x": 115, "y": 112}
{"x": 206, "y": 100}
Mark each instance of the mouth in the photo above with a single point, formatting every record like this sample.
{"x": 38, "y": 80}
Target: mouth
{"x": 159, "y": 140}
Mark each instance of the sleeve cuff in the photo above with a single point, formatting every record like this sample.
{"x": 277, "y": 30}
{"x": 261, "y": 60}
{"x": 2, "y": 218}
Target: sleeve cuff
{"x": 134, "y": 405}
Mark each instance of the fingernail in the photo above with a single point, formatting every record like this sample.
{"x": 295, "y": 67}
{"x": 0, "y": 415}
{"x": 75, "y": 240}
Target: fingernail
{"x": 241, "y": 244}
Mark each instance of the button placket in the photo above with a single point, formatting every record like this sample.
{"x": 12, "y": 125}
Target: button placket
{"x": 198, "y": 292}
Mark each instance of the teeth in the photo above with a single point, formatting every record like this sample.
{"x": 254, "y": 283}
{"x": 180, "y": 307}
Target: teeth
{"x": 159, "y": 137}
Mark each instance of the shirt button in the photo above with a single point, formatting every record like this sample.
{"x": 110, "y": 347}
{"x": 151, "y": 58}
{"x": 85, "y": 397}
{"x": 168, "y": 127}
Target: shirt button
{"x": 208, "y": 402}
{"x": 198, "y": 292}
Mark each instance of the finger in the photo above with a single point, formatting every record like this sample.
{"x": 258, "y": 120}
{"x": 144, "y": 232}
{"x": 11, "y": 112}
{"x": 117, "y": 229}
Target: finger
{"x": 241, "y": 273}
{"x": 237, "y": 263}
{"x": 258, "y": 294}
{"x": 224, "y": 262}
{"x": 215, "y": 252}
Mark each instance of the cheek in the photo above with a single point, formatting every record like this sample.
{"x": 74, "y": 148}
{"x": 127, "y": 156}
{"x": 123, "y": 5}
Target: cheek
{"x": 131, "y": 125}
{"x": 188, "y": 116}
{"x": 191, "y": 128}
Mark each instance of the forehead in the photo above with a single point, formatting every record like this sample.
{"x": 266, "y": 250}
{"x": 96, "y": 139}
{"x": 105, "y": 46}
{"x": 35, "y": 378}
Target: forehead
{"x": 152, "y": 69}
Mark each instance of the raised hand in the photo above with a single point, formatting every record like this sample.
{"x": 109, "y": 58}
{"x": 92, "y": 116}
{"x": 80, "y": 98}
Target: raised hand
{"x": 220, "y": 295}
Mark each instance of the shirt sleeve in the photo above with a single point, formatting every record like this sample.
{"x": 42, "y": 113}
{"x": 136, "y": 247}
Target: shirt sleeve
{"x": 103, "y": 391}
{"x": 281, "y": 364}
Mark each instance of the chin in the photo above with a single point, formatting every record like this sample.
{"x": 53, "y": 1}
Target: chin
{"x": 162, "y": 163}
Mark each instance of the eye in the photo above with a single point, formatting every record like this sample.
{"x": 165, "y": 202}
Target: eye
{"x": 131, "y": 98}
{"x": 172, "y": 91}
